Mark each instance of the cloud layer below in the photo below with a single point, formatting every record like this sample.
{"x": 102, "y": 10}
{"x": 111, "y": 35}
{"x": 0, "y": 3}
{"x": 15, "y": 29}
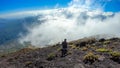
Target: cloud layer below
{"x": 72, "y": 22}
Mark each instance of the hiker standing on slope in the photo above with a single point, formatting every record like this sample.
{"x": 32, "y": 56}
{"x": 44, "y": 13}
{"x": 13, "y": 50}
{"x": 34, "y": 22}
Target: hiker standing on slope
{"x": 64, "y": 48}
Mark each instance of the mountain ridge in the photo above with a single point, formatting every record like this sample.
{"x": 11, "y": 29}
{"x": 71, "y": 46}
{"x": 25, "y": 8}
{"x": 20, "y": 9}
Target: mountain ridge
{"x": 92, "y": 53}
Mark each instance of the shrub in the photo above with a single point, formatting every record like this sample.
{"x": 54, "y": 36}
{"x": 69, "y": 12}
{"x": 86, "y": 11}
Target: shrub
{"x": 88, "y": 46}
{"x": 94, "y": 47}
{"x": 115, "y": 55}
{"x": 51, "y": 56}
{"x": 59, "y": 49}
{"x": 82, "y": 43}
{"x": 90, "y": 57}
{"x": 112, "y": 47}
{"x": 2, "y": 55}
{"x": 84, "y": 49}
{"x": 101, "y": 40}
{"x": 106, "y": 42}
{"x": 69, "y": 52}
{"x": 70, "y": 43}
{"x": 103, "y": 50}
{"x": 73, "y": 46}
{"x": 27, "y": 63}
{"x": 16, "y": 57}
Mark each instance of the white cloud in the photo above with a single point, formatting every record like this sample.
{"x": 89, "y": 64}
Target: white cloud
{"x": 72, "y": 23}
{"x": 64, "y": 23}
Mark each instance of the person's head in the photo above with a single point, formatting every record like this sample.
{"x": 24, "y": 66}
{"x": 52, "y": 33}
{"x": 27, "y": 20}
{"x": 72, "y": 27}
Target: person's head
{"x": 65, "y": 40}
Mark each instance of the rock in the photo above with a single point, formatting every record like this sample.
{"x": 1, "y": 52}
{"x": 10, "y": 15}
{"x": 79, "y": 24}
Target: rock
{"x": 101, "y": 58}
{"x": 114, "y": 39}
{"x": 79, "y": 66}
{"x": 81, "y": 44}
{"x": 101, "y": 40}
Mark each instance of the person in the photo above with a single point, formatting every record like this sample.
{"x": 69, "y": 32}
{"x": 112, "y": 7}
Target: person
{"x": 64, "y": 48}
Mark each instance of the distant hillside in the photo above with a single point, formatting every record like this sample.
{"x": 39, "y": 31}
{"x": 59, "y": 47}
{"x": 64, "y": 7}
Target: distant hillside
{"x": 10, "y": 28}
{"x": 82, "y": 53}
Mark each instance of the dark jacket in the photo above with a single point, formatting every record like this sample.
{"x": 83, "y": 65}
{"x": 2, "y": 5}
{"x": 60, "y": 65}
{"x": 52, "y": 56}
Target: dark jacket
{"x": 64, "y": 44}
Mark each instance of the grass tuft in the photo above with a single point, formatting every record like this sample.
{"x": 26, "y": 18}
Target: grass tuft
{"x": 90, "y": 57}
{"x": 103, "y": 50}
{"x": 51, "y": 56}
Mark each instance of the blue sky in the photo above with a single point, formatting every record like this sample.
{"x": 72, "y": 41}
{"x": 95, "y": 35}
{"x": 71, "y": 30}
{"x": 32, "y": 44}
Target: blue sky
{"x": 113, "y": 6}
{"x": 13, "y": 5}
{"x": 20, "y": 5}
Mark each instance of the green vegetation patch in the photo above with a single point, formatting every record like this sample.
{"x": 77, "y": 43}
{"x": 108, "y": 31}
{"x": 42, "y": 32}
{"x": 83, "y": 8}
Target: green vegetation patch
{"x": 103, "y": 50}
{"x": 51, "y": 56}
{"x": 90, "y": 57}
{"x": 115, "y": 55}
{"x": 106, "y": 42}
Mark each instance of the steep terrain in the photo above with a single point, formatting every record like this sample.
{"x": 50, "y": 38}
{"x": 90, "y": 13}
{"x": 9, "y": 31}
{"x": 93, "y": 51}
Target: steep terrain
{"x": 82, "y": 53}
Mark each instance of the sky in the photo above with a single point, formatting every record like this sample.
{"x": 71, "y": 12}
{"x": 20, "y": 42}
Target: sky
{"x": 18, "y": 5}
{"x": 7, "y": 6}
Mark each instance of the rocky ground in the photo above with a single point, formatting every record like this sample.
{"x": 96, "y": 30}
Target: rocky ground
{"x": 82, "y": 53}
